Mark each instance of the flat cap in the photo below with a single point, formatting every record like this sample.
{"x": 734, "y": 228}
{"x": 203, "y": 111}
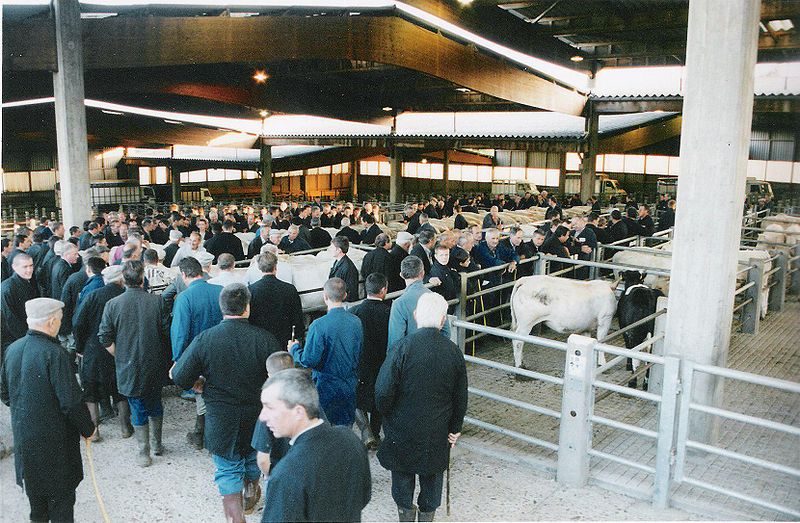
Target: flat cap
{"x": 112, "y": 273}
{"x": 42, "y": 308}
{"x": 404, "y": 237}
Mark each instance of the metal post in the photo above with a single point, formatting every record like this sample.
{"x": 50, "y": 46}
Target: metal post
{"x": 777, "y": 293}
{"x": 538, "y": 265}
{"x": 656, "y": 380}
{"x": 794, "y": 288}
{"x": 575, "y": 432}
{"x": 593, "y": 270}
{"x": 666, "y": 430}
{"x": 751, "y": 313}
{"x": 687, "y": 386}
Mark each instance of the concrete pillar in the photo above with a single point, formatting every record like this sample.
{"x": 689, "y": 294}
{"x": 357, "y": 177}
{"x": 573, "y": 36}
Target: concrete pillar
{"x": 721, "y": 50}
{"x": 73, "y": 151}
{"x": 395, "y": 175}
{"x": 175, "y": 177}
{"x": 562, "y": 174}
{"x": 266, "y": 173}
{"x": 446, "y": 171}
{"x": 354, "y": 179}
{"x": 589, "y": 157}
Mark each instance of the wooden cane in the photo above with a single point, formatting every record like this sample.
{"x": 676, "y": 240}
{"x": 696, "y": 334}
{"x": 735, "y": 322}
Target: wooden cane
{"x": 449, "y": 459}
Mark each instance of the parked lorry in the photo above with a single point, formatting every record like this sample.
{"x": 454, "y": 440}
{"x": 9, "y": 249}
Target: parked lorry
{"x": 110, "y": 194}
{"x": 520, "y": 188}
{"x": 604, "y": 187}
{"x": 754, "y": 188}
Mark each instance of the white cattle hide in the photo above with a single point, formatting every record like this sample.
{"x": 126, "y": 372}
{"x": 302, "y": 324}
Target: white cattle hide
{"x": 564, "y": 305}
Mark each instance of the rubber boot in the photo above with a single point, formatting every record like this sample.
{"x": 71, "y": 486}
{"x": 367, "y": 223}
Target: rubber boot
{"x": 367, "y": 437}
{"x": 126, "y": 429}
{"x": 406, "y": 514}
{"x": 426, "y": 516}
{"x": 155, "y": 428}
{"x": 143, "y": 440}
{"x": 232, "y": 506}
{"x": 195, "y": 438}
{"x": 95, "y": 415}
{"x": 252, "y": 493}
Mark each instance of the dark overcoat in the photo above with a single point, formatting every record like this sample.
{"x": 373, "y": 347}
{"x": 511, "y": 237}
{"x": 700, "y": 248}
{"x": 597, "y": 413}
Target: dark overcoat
{"x": 345, "y": 269}
{"x": 13, "y": 295}
{"x": 48, "y": 415}
{"x": 69, "y": 295}
{"x": 98, "y": 363}
{"x": 275, "y": 307}
{"x": 422, "y": 393}
{"x": 376, "y": 260}
{"x": 374, "y": 316}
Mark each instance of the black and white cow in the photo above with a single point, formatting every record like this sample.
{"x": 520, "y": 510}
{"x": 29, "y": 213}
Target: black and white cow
{"x": 637, "y": 301}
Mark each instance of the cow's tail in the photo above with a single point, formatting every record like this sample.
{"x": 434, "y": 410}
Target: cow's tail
{"x": 517, "y": 285}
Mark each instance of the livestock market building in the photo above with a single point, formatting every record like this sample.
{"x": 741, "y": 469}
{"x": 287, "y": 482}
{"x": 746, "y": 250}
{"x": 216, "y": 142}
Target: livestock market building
{"x": 137, "y": 106}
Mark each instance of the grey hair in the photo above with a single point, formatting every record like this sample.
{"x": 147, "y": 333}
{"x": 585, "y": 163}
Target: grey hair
{"x": 431, "y": 308}
{"x": 226, "y": 261}
{"x": 411, "y": 267}
{"x": 345, "y": 222}
{"x": 296, "y": 388}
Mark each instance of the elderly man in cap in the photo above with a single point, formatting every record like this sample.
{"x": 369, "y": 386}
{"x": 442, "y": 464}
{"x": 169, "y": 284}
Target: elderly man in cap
{"x": 48, "y": 415}
{"x": 172, "y": 246}
{"x": 134, "y": 330}
{"x": 15, "y": 291}
{"x": 402, "y": 246}
{"x": 98, "y": 372}
{"x": 196, "y": 309}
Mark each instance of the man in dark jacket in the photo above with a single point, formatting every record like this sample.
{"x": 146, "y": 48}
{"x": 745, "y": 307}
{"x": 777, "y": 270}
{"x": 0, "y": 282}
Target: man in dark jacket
{"x": 6, "y": 250}
{"x": 402, "y": 245}
{"x": 261, "y": 238}
{"x": 374, "y": 315}
{"x": 332, "y": 350}
{"x": 15, "y": 291}
{"x": 171, "y": 248}
{"x": 422, "y": 393}
{"x": 634, "y": 229}
{"x": 292, "y": 242}
{"x": 424, "y": 250}
{"x": 275, "y": 305}
{"x": 325, "y": 476}
{"x": 645, "y": 221}
{"x": 616, "y": 230}
{"x": 317, "y": 236}
{"x": 62, "y": 269}
{"x": 553, "y": 209}
{"x": 450, "y": 285}
{"x": 591, "y": 223}
{"x": 344, "y": 267}
{"x": 371, "y": 229}
{"x": 98, "y": 372}
{"x": 378, "y": 259}
{"x": 349, "y": 233}
{"x": 48, "y": 415}
{"x": 232, "y": 358}
{"x": 412, "y": 218}
{"x": 667, "y": 218}
{"x": 134, "y": 329}
{"x": 226, "y": 241}
{"x": 73, "y": 286}
{"x": 556, "y": 245}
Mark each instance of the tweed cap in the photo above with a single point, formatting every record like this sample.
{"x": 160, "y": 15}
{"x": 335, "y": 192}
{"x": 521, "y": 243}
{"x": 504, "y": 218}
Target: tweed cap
{"x": 42, "y": 308}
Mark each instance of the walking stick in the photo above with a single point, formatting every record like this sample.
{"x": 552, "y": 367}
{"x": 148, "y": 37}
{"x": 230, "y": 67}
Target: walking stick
{"x": 100, "y": 503}
{"x": 449, "y": 459}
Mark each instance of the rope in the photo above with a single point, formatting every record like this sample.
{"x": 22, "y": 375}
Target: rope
{"x": 97, "y": 494}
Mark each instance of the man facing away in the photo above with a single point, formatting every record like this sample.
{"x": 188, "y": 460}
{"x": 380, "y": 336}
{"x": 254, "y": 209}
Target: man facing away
{"x": 325, "y": 475}
{"x": 275, "y": 305}
{"x": 401, "y": 318}
{"x": 232, "y": 358}
{"x": 332, "y": 350}
{"x": 422, "y": 393}
{"x": 134, "y": 331}
{"x": 48, "y": 415}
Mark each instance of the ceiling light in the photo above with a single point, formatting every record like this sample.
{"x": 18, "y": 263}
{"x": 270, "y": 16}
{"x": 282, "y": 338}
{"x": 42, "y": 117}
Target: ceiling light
{"x": 576, "y": 58}
{"x": 173, "y": 122}
{"x": 263, "y": 113}
{"x": 243, "y": 14}
{"x": 260, "y": 76}
{"x": 387, "y": 108}
{"x": 463, "y": 89}
{"x": 781, "y": 25}
{"x": 464, "y": 2}
{"x": 116, "y": 113}
{"x": 96, "y": 16}
{"x": 424, "y": 160}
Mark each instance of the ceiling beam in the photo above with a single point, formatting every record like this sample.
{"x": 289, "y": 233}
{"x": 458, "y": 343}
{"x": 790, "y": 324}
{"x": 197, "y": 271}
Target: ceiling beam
{"x": 133, "y": 42}
{"x": 641, "y": 137}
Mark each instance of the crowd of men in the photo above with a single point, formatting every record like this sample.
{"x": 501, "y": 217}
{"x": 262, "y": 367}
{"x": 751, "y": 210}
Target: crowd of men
{"x": 100, "y": 303}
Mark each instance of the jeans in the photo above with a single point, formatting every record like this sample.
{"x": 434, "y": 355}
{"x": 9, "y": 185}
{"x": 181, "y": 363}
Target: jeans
{"x": 430, "y": 490}
{"x": 231, "y": 473}
{"x": 48, "y": 508}
{"x": 145, "y": 407}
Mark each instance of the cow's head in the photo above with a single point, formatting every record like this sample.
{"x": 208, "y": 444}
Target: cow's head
{"x": 632, "y": 278}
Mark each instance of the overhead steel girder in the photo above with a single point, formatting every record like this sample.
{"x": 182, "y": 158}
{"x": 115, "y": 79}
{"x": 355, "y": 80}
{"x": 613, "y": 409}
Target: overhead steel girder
{"x": 132, "y": 42}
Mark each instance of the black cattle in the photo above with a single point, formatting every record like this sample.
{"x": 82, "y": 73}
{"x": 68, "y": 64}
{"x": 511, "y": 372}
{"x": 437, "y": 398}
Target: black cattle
{"x": 637, "y": 302}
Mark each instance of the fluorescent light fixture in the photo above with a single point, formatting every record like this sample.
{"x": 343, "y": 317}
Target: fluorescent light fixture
{"x": 173, "y": 122}
{"x": 32, "y": 101}
{"x": 96, "y": 16}
{"x": 263, "y": 113}
{"x": 576, "y": 58}
{"x": 465, "y": 2}
{"x": 387, "y": 108}
{"x": 463, "y": 89}
{"x": 115, "y": 113}
{"x": 781, "y": 25}
{"x": 243, "y": 14}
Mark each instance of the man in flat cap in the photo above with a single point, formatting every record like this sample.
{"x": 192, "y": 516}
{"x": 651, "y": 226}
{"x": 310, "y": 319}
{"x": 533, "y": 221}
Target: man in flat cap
{"x": 48, "y": 415}
{"x": 98, "y": 372}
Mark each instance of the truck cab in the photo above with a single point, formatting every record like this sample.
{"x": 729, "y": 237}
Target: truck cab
{"x": 608, "y": 187}
{"x": 519, "y": 188}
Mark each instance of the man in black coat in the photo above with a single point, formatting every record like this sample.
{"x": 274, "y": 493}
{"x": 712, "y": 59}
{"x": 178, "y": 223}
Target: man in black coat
{"x": 317, "y": 236}
{"x": 556, "y": 245}
{"x": 371, "y": 229}
{"x": 398, "y": 253}
{"x": 349, "y": 233}
{"x": 667, "y": 218}
{"x": 6, "y": 249}
{"x": 232, "y": 358}
{"x": 254, "y": 248}
{"x": 645, "y": 221}
{"x": 634, "y": 229}
{"x": 98, "y": 372}
{"x": 591, "y": 223}
{"x": 616, "y": 230}
{"x": 292, "y": 242}
{"x": 172, "y": 246}
{"x": 73, "y": 286}
{"x": 378, "y": 259}
{"x": 48, "y": 415}
{"x": 412, "y": 218}
{"x": 62, "y": 269}
{"x": 424, "y": 250}
{"x": 450, "y": 286}
{"x": 274, "y": 304}
{"x": 226, "y": 241}
{"x": 135, "y": 330}
{"x": 325, "y": 476}
{"x": 15, "y": 291}
{"x": 374, "y": 315}
{"x": 422, "y": 393}
{"x": 553, "y": 209}
{"x": 344, "y": 267}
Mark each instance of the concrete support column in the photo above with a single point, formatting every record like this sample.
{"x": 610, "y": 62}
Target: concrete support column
{"x": 446, "y": 171}
{"x": 589, "y": 157}
{"x": 73, "y": 151}
{"x": 395, "y": 175}
{"x": 175, "y": 178}
{"x": 721, "y": 50}
{"x": 354, "y": 166}
{"x": 562, "y": 174}
{"x": 266, "y": 172}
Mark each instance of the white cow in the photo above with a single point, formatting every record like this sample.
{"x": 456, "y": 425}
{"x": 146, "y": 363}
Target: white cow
{"x": 566, "y": 306}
